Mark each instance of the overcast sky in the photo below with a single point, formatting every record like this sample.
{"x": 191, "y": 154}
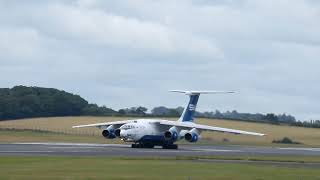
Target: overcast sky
{"x": 129, "y": 53}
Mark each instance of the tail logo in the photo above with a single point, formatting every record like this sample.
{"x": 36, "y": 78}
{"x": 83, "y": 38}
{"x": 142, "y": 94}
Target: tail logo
{"x": 192, "y": 107}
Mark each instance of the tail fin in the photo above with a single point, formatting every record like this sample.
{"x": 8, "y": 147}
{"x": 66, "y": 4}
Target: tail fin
{"x": 188, "y": 112}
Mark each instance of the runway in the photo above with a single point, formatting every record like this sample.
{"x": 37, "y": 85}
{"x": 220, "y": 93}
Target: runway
{"x": 82, "y": 149}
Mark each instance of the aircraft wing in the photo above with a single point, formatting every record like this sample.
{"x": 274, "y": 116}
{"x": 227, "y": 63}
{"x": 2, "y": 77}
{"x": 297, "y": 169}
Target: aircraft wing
{"x": 190, "y": 125}
{"x": 100, "y": 125}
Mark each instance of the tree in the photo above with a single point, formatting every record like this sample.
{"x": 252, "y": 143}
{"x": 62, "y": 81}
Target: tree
{"x": 272, "y": 118}
{"x": 218, "y": 114}
{"x": 122, "y": 111}
{"x": 141, "y": 110}
{"x": 160, "y": 111}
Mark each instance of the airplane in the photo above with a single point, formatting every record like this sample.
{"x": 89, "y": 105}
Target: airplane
{"x": 148, "y": 133}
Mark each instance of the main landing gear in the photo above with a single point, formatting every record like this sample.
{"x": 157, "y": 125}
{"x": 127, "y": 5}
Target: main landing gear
{"x": 169, "y": 146}
{"x": 149, "y": 145}
{"x": 140, "y": 145}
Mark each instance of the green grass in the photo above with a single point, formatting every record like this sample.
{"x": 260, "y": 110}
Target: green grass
{"x": 74, "y": 168}
{"x": 288, "y": 159}
{"x": 9, "y": 136}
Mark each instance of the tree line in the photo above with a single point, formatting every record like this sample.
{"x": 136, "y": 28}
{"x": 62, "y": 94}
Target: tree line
{"x": 27, "y": 102}
{"x": 270, "y": 118}
{"x": 232, "y": 115}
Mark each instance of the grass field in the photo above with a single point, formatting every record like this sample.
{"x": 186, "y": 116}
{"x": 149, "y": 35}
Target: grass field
{"x": 9, "y": 136}
{"x": 56, "y": 168}
{"x": 62, "y": 125}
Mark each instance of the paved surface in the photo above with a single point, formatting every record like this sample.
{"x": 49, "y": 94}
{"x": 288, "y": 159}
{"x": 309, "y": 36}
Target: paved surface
{"x": 73, "y": 149}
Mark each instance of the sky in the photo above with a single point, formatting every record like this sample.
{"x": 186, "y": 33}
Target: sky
{"x": 128, "y": 53}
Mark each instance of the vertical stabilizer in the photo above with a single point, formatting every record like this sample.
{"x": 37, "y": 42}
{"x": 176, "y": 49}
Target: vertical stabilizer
{"x": 189, "y": 110}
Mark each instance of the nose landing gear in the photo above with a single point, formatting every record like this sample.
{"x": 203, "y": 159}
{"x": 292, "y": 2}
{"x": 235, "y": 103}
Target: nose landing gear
{"x": 149, "y": 145}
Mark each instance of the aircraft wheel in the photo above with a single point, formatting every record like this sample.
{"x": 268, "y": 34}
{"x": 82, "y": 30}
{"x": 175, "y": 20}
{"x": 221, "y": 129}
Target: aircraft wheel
{"x": 134, "y": 146}
{"x": 170, "y": 146}
{"x": 148, "y": 145}
{"x": 140, "y": 145}
{"x": 137, "y": 145}
{"x": 174, "y": 146}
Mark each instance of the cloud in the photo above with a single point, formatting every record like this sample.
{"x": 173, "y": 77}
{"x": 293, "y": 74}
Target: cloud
{"x": 18, "y": 44}
{"x": 94, "y": 26}
{"x": 128, "y": 53}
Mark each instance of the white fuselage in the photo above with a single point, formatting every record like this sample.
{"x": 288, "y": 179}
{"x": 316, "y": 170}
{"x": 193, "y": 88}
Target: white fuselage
{"x": 140, "y": 128}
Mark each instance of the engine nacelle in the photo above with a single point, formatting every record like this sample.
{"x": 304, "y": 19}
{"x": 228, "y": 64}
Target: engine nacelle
{"x": 109, "y": 133}
{"x": 171, "y": 134}
{"x": 192, "y": 135}
{"x": 117, "y": 132}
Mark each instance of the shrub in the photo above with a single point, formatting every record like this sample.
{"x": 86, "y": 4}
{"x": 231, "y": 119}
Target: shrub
{"x": 285, "y": 140}
{"x": 225, "y": 140}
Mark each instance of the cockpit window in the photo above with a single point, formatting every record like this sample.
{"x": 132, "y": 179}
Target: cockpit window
{"x": 126, "y": 127}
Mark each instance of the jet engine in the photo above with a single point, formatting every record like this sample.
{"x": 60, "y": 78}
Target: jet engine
{"x": 192, "y": 135}
{"x": 109, "y": 133}
{"x": 117, "y": 132}
{"x": 171, "y": 134}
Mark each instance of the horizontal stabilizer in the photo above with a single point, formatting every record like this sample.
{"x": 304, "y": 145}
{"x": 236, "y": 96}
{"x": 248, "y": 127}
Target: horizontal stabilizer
{"x": 201, "y": 92}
